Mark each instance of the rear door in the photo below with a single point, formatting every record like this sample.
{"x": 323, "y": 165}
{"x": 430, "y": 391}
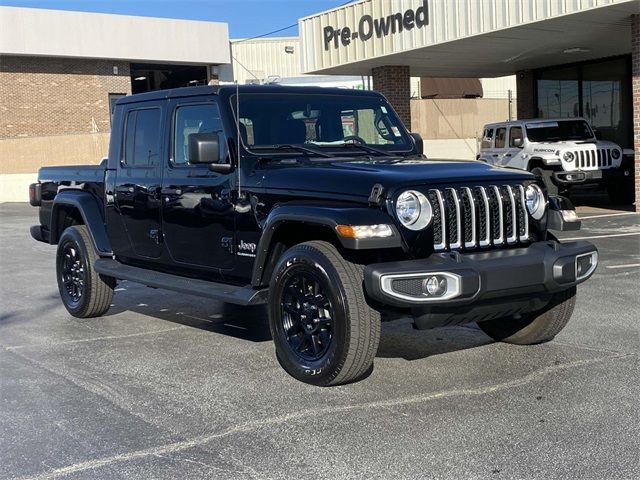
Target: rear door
{"x": 138, "y": 179}
{"x": 198, "y": 212}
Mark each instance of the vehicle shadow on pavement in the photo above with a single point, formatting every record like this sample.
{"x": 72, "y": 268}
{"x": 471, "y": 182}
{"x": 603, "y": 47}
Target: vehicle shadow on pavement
{"x": 400, "y": 340}
{"x": 244, "y": 323}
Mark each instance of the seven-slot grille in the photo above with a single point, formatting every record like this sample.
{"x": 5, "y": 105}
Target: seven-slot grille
{"x": 593, "y": 159}
{"x": 473, "y": 217}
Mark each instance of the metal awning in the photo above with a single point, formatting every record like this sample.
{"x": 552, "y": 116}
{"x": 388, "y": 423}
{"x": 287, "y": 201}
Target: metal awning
{"x": 465, "y": 38}
{"x": 450, "y": 87}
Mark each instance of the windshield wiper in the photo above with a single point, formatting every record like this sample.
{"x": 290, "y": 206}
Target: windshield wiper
{"x": 288, "y": 146}
{"x": 366, "y": 148}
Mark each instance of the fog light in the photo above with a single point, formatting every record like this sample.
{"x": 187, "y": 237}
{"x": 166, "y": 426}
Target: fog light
{"x": 422, "y": 287}
{"x": 586, "y": 264}
{"x": 435, "y": 286}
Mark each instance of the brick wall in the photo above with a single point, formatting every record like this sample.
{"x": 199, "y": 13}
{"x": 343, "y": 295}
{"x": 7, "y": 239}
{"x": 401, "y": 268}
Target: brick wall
{"x": 635, "y": 72}
{"x": 53, "y": 96}
{"x": 525, "y": 85}
{"x": 394, "y": 82}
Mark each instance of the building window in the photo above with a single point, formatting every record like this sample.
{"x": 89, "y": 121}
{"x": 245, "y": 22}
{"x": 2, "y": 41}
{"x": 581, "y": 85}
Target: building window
{"x": 599, "y": 91}
{"x": 113, "y": 98}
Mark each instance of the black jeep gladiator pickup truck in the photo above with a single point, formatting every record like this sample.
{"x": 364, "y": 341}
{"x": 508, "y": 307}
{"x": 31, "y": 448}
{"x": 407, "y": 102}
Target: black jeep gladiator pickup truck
{"x": 319, "y": 203}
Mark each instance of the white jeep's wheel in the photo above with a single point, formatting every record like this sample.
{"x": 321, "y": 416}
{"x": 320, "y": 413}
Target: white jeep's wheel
{"x": 324, "y": 331}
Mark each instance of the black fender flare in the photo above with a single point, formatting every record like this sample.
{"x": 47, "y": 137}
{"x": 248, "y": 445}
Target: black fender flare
{"x": 92, "y": 216}
{"x": 328, "y": 216}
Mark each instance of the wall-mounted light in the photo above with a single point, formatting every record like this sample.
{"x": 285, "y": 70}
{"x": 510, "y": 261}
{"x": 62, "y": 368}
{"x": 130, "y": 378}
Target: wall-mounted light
{"x": 140, "y": 78}
{"x": 115, "y": 70}
{"x": 288, "y": 49}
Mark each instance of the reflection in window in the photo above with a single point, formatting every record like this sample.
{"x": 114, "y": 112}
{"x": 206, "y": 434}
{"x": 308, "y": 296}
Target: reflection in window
{"x": 599, "y": 91}
{"x": 500, "y": 134}
{"x": 194, "y": 119}
{"x": 142, "y": 143}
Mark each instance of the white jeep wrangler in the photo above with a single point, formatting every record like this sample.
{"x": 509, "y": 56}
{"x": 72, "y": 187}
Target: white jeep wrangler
{"x": 564, "y": 152}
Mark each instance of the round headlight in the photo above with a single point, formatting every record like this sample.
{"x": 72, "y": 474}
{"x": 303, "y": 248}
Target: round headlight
{"x": 536, "y": 203}
{"x": 413, "y": 210}
{"x": 568, "y": 156}
{"x": 615, "y": 154}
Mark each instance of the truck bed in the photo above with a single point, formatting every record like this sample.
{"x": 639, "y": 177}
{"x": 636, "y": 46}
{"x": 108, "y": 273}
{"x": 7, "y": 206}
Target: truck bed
{"x": 88, "y": 178}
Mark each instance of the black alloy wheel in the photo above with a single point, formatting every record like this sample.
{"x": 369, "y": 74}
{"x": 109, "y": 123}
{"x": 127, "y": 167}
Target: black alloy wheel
{"x": 72, "y": 273}
{"x": 307, "y": 315}
{"x": 83, "y": 291}
{"x": 324, "y": 331}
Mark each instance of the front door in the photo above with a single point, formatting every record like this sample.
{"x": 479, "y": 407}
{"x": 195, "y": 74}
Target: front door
{"x": 512, "y": 155}
{"x": 138, "y": 179}
{"x": 198, "y": 212}
{"x": 499, "y": 146}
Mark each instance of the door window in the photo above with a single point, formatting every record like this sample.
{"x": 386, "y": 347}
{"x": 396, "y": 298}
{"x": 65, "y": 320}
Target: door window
{"x": 487, "y": 138}
{"x": 142, "y": 137}
{"x": 500, "y": 136}
{"x": 190, "y": 119}
{"x": 515, "y": 132}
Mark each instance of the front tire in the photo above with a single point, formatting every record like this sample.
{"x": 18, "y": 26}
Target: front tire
{"x": 84, "y": 292}
{"x": 324, "y": 331}
{"x": 536, "y": 327}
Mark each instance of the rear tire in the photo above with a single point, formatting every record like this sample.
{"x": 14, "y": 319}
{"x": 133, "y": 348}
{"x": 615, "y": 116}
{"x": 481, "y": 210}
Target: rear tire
{"x": 536, "y": 327}
{"x": 84, "y": 292}
{"x": 547, "y": 179}
{"x": 324, "y": 331}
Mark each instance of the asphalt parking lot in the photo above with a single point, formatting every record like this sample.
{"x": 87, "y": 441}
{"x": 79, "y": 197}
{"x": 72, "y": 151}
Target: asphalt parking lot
{"x": 167, "y": 386}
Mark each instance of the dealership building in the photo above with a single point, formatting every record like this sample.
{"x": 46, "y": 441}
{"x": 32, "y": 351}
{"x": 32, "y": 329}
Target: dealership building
{"x": 60, "y": 72}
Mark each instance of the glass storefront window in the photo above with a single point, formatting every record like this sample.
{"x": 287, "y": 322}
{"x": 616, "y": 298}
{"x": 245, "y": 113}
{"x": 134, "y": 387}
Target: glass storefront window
{"x": 603, "y": 89}
{"x": 558, "y": 95}
{"x": 598, "y": 91}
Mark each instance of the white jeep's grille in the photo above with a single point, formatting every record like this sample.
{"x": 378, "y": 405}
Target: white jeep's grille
{"x": 593, "y": 159}
{"x": 473, "y": 217}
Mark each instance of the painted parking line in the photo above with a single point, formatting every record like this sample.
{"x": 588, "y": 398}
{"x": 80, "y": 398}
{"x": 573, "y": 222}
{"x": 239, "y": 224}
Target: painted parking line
{"x": 609, "y": 215}
{"x": 630, "y": 265}
{"x": 602, "y": 236}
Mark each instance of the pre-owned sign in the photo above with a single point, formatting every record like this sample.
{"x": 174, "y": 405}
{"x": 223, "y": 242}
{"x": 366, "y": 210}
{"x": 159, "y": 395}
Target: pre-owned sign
{"x": 380, "y": 27}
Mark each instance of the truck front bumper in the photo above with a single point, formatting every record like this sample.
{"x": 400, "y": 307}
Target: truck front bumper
{"x": 579, "y": 177}
{"x": 455, "y": 280}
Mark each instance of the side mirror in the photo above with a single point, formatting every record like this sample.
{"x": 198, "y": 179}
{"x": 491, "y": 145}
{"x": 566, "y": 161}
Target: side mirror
{"x": 417, "y": 139}
{"x": 517, "y": 142}
{"x": 204, "y": 148}
{"x": 598, "y": 134}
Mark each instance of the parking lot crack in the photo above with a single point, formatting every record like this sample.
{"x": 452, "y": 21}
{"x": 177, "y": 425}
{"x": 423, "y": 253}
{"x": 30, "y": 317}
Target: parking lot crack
{"x": 304, "y": 414}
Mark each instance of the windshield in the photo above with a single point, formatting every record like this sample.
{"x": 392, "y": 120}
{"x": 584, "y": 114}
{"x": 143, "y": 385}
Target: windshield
{"x": 318, "y": 121}
{"x": 559, "y": 131}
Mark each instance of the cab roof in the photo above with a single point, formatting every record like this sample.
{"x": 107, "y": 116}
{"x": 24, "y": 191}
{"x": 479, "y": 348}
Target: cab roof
{"x": 230, "y": 89}
{"x": 531, "y": 120}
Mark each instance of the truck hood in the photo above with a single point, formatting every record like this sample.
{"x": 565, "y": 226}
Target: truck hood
{"x": 356, "y": 178}
{"x": 577, "y": 144}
